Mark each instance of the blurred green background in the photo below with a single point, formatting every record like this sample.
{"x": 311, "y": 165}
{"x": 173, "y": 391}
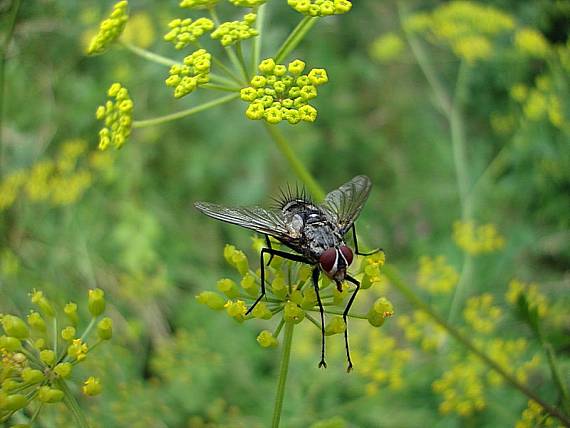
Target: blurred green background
{"x": 124, "y": 221}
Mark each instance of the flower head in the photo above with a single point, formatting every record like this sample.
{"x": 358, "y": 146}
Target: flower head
{"x": 194, "y": 72}
{"x": 198, "y": 4}
{"x": 283, "y": 93}
{"x": 436, "y": 276}
{"x": 185, "y": 31}
{"x": 229, "y": 33}
{"x": 117, "y": 115}
{"x": 320, "y": 7}
{"x": 477, "y": 239}
{"x": 110, "y": 29}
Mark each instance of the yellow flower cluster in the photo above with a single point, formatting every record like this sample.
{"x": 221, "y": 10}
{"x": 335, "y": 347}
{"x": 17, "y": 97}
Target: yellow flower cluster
{"x": 467, "y": 27}
{"x": 110, "y": 29}
{"x": 506, "y": 354}
{"x": 185, "y": 31}
{"x": 296, "y": 300}
{"x": 532, "y": 43}
{"x": 420, "y": 328}
{"x": 542, "y": 100}
{"x": 61, "y": 181}
{"x": 382, "y": 363}
{"x": 477, "y": 239}
{"x": 247, "y": 3}
{"x": 320, "y": 7}
{"x": 194, "y": 72}
{"x": 462, "y": 390}
{"x": 481, "y": 314}
{"x": 436, "y": 275}
{"x": 117, "y": 115}
{"x": 283, "y": 92}
{"x": 534, "y": 416}
{"x": 31, "y": 369}
{"x": 231, "y": 32}
{"x": 198, "y": 4}
{"x": 371, "y": 266}
{"x": 387, "y": 47}
{"x": 534, "y": 297}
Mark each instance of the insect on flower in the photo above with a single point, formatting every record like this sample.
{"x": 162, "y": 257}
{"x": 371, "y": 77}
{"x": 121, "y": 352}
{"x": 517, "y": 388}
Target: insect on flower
{"x": 315, "y": 232}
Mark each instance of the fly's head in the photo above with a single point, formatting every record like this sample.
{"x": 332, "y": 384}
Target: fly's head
{"x": 334, "y": 262}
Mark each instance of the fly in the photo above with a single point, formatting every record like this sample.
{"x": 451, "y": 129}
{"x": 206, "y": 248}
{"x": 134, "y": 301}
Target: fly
{"x": 315, "y": 232}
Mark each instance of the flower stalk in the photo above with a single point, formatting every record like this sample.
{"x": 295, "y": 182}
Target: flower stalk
{"x": 283, "y": 371}
{"x": 298, "y": 33}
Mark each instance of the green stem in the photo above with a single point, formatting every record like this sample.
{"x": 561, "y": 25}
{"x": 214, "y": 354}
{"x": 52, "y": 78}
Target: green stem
{"x": 73, "y": 405}
{"x": 3, "y": 59}
{"x": 151, "y": 56}
{"x": 334, "y": 312}
{"x": 55, "y": 336}
{"x": 300, "y": 171}
{"x": 407, "y": 292}
{"x": 257, "y": 40}
{"x": 228, "y": 49}
{"x": 223, "y": 88}
{"x": 188, "y": 112}
{"x": 241, "y": 60}
{"x": 88, "y": 329}
{"x": 557, "y": 377}
{"x": 295, "y": 37}
{"x": 285, "y": 357}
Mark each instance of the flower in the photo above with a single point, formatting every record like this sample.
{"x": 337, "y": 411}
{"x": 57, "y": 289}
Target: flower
{"x": 283, "y": 93}
{"x": 229, "y": 33}
{"x": 481, "y": 314}
{"x": 198, "y": 4}
{"x": 117, "y": 115}
{"x": 436, "y": 276}
{"x": 531, "y": 42}
{"x": 194, "y": 72}
{"x": 185, "y": 31}
{"x": 320, "y": 7}
{"x": 477, "y": 239}
{"x": 92, "y": 386}
{"x": 110, "y": 29}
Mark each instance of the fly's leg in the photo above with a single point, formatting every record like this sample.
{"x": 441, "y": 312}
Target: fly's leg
{"x": 316, "y": 272}
{"x": 268, "y": 242}
{"x": 344, "y": 316}
{"x": 272, "y": 252}
{"x": 356, "y": 244}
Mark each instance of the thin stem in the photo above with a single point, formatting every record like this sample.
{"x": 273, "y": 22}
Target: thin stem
{"x": 88, "y": 329}
{"x": 283, "y": 370}
{"x": 395, "y": 279}
{"x": 55, "y": 336}
{"x": 73, "y": 405}
{"x": 257, "y": 40}
{"x": 223, "y": 88}
{"x": 146, "y": 54}
{"x": 3, "y": 59}
{"x": 241, "y": 60}
{"x": 300, "y": 171}
{"x": 35, "y": 415}
{"x": 184, "y": 113}
{"x": 228, "y": 49}
{"x": 295, "y": 37}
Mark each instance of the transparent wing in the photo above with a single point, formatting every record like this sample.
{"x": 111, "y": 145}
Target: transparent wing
{"x": 254, "y": 218}
{"x": 345, "y": 203}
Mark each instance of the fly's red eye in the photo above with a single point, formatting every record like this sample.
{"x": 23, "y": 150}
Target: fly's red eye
{"x": 328, "y": 260}
{"x": 347, "y": 253}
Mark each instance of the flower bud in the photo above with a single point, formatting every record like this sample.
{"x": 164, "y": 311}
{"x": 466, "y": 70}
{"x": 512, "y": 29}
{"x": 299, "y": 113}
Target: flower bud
{"x": 249, "y": 285}
{"x": 228, "y": 287}
{"x": 10, "y": 344}
{"x": 296, "y": 297}
{"x": 71, "y": 312}
{"x": 293, "y": 313}
{"x": 78, "y": 350}
{"x": 68, "y": 333}
{"x": 279, "y": 287}
{"x": 236, "y": 310}
{"x": 266, "y": 339}
{"x": 63, "y": 370}
{"x": 96, "y": 302}
{"x": 309, "y": 298}
{"x": 335, "y": 326}
{"x": 381, "y": 310}
{"x": 261, "y": 311}
{"x": 47, "y": 356}
{"x": 9, "y": 385}
{"x": 92, "y": 386}
{"x": 30, "y": 375}
{"x": 36, "y": 321}
{"x": 105, "y": 329}
{"x": 229, "y": 251}
{"x": 15, "y": 327}
{"x": 13, "y": 402}
{"x": 41, "y": 302}
{"x": 211, "y": 299}
{"x": 239, "y": 260}
{"x": 49, "y": 395}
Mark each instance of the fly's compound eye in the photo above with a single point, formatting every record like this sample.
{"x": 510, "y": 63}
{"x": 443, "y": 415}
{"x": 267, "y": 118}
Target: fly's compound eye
{"x": 347, "y": 254}
{"x": 328, "y": 261}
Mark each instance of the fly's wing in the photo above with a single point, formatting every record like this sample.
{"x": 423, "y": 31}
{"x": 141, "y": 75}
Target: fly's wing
{"x": 345, "y": 203}
{"x": 254, "y": 218}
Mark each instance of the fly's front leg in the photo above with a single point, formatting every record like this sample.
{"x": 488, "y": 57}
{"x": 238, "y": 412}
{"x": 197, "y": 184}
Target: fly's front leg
{"x": 272, "y": 252}
{"x": 316, "y": 272}
{"x": 344, "y": 317}
{"x": 356, "y": 244}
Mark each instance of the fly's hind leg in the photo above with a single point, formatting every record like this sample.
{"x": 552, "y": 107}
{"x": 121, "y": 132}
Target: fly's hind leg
{"x": 316, "y": 272}
{"x": 344, "y": 317}
{"x": 272, "y": 252}
{"x": 356, "y": 244}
